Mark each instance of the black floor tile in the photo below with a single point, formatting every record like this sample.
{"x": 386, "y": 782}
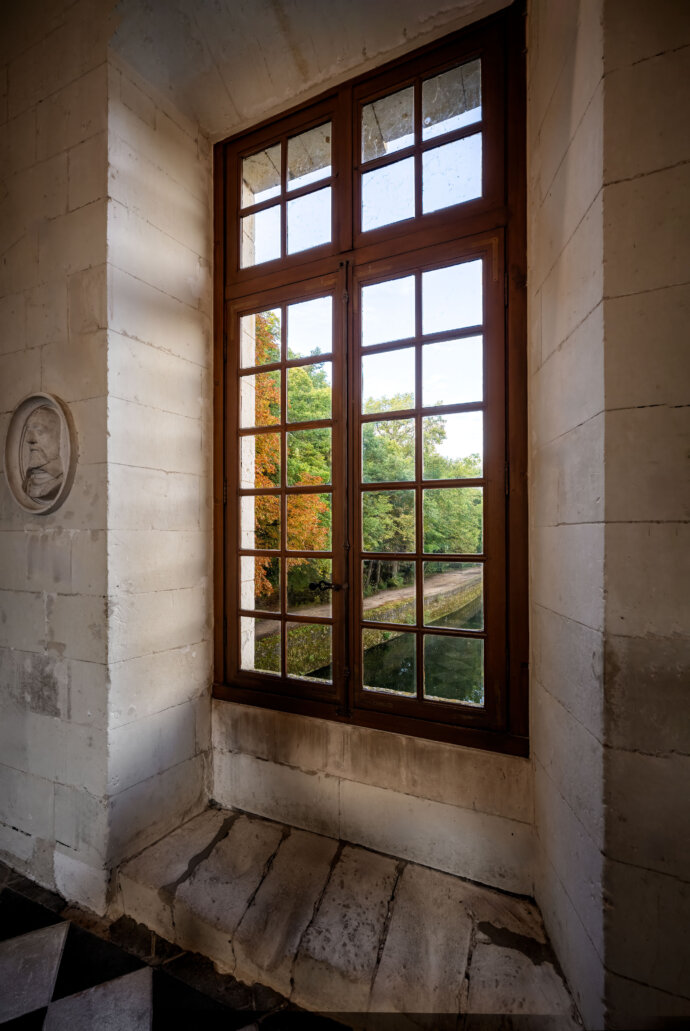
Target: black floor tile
{"x": 88, "y": 961}
{"x": 27, "y": 1022}
{"x": 294, "y": 1019}
{"x": 175, "y": 1005}
{"x": 200, "y": 974}
{"x": 19, "y": 915}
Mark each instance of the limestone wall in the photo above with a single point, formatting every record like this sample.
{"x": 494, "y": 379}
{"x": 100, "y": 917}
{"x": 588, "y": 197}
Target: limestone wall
{"x": 53, "y": 580}
{"x": 159, "y": 462}
{"x": 566, "y": 398}
{"x": 647, "y": 380}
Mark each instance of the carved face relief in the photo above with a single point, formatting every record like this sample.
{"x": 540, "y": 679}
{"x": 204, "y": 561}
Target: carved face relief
{"x": 39, "y": 453}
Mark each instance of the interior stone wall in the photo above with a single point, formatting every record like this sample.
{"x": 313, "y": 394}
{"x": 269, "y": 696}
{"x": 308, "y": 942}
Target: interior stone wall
{"x": 567, "y": 445}
{"x": 159, "y": 462}
{"x": 647, "y": 399}
{"x": 53, "y": 576}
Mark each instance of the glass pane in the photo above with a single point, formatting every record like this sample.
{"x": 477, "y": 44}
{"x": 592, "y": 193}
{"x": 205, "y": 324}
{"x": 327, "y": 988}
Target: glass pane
{"x": 261, "y": 237}
{"x": 387, "y": 124}
{"x": 388, "y": 381}
{"x": 388, "y": 194}
{"x": 454, "y": 595}
{"x": 261, "y": 176}
{"x": 453, "y": 446}
{"x": 260, "y": 644}
{"x": 388, "y": 520}
{"x": 309, "y": 157}
{"x": 309, "y": 392}
{"x": 260, "y": 583}
{"x": 310, "y": 327}
{"x": 452, "y": 174}
{"x": 301, "y": 572}
{"x": 388, "y": 591}
{"x": 309, "y": 522}
{"x": 453, "y": 520}
{"x": 260, "y": 338}
{"x": 260, "y": 399}
{"x": 452, "y": 372}
{"x": 454, "y": 669}
{"x": 388, "y": 451}
{"x": 388, "y": 311}
{"x": 260, "y": 460}
{"x": 309, "y": 651}
{"x": 452, "y": 297}
{"x": 260, "y": 522}
{"x": 309, "y": 221}
{"x": 452, "y": 100}
{"x": 389, "y": 662}
{"x": 309, "y": 457}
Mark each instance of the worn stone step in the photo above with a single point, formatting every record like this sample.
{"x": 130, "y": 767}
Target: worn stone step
{"x": 269, "y": 934}
{"x": 338, "y": 955}
{"x": 342, "y": 930}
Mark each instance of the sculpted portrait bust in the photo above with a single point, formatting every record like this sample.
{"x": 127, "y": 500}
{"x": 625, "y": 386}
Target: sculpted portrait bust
{"x": 40, "y": 453}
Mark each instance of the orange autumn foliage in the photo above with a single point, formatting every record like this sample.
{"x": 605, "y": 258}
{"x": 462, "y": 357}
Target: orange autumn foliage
{"x": 306, "y": 529}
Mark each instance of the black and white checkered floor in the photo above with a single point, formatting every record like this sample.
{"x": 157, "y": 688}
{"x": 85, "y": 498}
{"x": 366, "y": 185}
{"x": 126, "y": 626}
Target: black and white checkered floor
{"x": 59, "y": 976}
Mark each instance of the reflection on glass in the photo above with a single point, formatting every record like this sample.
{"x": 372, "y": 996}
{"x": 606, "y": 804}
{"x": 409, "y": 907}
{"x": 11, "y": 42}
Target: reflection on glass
{"x": 387, "y": 124}
{"x": 388, "y": 591}
{"x": 261, "y": 176}
{"x": 261, "y": 237}
{"x": 453, "y": 446}
{"x": 309, "y": 157}
{"x": 309, "y": 457}
{"x": 310, "y": 327}
{"x": 309, "y": 392}
{"x": 309, "y": 522}
{"x": 388, "y": 194}
{"x": 453, "y": 521}
{"x": 309, "y": 651}
{"x": 452, "y": 372}
{"x": 388, "y": 381}
{"x": 452, "y": 100}
{"x": 260, "y": 460}
{"x": 260, "y": 644}
{"x": 452, "y": 297}
{"x": 301, "y": 572}
{"x": 388, "y": 520}
{"x": 388, "y": 451}
{"x": 260, "y": 399}
{"x": 260, "y": 583}
{"x": 452, "y": 174}
{"x": 389, "y": 662}
{"x": 388, "y": 311}
{"x": 309, "y": 221}
{"x": 454, "y": 669}
{"x": 260, "y": 338}
{"x": 454, "y": 595}
{"x": 260, "y": 522}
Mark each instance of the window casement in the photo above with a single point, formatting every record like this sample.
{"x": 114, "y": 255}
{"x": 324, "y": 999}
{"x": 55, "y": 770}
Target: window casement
{"x": 370, "y": 496}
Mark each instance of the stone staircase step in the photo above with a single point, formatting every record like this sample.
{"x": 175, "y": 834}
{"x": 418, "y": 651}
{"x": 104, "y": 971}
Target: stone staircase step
{"x": 424, "y": 958}
{"x": 342, "y": 930}
{"x": 337, "y": 957}
{"x": 268, "y": 936}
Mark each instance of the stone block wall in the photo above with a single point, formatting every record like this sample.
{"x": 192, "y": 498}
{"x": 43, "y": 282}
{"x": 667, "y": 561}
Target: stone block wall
{"x": 53, "y": 579}
{"x": 159, "y": 463}
{"x": 647, "y": 651}
{"x": 566, "y": 364}
{"x": 456, "y": 809}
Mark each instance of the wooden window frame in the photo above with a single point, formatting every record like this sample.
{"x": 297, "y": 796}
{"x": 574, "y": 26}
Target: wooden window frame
{"x": 492, "y": 226}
